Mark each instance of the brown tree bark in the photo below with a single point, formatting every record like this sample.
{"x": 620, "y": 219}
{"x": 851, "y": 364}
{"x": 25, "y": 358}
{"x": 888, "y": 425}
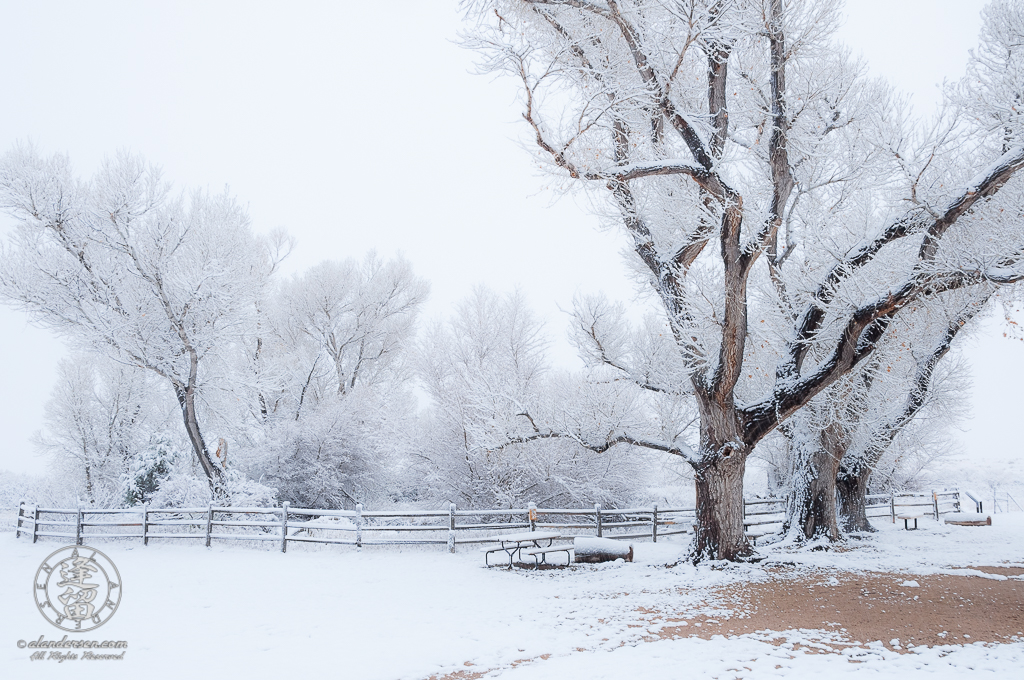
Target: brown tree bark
{"x": 719, "y": 533}
{"x": 853, "y": 502}
{"x": 187, "y": 402}
{"x": 818, "y": 456}
{"x": 813, "y": 503}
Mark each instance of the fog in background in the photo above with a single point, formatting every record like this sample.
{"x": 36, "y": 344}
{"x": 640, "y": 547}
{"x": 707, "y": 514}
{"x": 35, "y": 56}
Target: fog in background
{"x": 359, "y": 126}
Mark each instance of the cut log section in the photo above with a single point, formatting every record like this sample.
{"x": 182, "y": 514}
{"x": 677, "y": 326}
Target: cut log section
{"x": 969, "y": 519}
{"x": 592, "y": 549}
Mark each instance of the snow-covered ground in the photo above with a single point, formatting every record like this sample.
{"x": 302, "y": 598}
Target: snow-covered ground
{"x": 250, "y": 612}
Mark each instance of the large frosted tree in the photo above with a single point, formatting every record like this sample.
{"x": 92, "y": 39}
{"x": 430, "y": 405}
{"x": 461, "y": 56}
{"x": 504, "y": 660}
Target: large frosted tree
{"x": 122, "y": 266}
{"x": 783, "y": 209}
{"x": 321, "y": 403}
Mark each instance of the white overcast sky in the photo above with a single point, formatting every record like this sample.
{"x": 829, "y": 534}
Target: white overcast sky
{"x": 359, "y": 125}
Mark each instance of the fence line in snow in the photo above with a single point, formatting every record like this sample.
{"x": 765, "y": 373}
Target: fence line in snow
{"x": 361, "y": 527}
{"x": 938, "y": 503}
{"x": 347, "y": 527}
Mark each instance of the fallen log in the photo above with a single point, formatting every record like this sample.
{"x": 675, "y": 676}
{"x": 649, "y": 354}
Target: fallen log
{"x": 592, "y": 550}
{"x": 969, "y": 519}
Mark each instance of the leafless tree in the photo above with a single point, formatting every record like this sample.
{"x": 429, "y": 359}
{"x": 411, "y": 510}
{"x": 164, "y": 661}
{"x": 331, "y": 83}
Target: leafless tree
{"x": 742, "y": 125}
{"x": 123, "y": 267}
{"x": 95, "y": 421}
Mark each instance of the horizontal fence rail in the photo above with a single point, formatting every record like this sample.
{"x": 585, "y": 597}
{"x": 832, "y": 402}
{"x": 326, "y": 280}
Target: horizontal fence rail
{"x": 934, "y": 503}
{"x": 449, "y": 527}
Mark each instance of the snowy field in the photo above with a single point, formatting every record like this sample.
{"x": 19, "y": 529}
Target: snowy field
{"x": 249, "y": 612}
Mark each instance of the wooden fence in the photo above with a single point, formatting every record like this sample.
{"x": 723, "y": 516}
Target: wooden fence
{"x": 449, "y": 527}
{"x": 934, "y": 503}
{"x": 357, "y": 527}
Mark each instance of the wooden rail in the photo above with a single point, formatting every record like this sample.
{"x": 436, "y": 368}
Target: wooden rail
{"x": 890, "y": 505}
{"x": 359, "y": 527}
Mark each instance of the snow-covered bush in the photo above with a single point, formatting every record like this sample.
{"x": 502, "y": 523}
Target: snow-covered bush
{"x": 148, "y": 468}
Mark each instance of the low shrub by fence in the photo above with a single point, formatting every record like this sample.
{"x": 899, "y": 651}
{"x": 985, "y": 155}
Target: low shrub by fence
{"x": 449, "y": 527}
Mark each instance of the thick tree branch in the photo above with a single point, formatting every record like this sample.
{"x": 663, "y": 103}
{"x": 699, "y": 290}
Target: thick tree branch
{"x": 681, "y": 450}
{"x": 985, "y": 184}
{"x": 917, "y": 397}
{"x": 858, "y": 340}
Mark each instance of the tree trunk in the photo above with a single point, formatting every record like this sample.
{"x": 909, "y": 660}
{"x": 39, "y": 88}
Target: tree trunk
{"x": 817, "y": 456}
{"x": 853, "y": 501}
{"x": 186, "y": 399}
{"x": 88, "y": 484}
{"x": 813, "y": 503}
{"x": 719, "y": 534}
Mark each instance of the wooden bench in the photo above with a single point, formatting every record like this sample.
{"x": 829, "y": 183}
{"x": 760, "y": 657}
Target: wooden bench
{"x": 540, "y": 554}
{"x": 906, "y": 519}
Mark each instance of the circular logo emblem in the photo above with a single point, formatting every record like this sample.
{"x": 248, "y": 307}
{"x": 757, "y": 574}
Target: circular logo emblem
{"x": 77, "y": 588}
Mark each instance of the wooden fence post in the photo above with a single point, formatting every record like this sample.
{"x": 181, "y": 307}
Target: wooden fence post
{"x": 209, "y": 523}
{"x": 359, "y": 525}
{"x": 35, "y": 522}
{"x": 78, "y": 526}
{"x": 597, "y": 512}
{"x": 145, "y": 524}
{"x": 892, "y": 505}
{"x": 531, "y": 514}
{"x": 935, "y": 502}
{"x": 284, "y": 527}
{"x": 451, "y": 528}
{"x": 22, "y": 513}
{"x": 654, "y": 524}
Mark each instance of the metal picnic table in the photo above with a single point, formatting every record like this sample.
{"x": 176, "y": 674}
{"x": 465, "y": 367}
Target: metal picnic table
{"x": 511, "y": 544}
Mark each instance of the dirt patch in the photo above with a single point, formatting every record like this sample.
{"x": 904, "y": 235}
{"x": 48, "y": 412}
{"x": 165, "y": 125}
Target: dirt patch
{"x": 868, "y": 607}
{"x": 858, "y": 608}
{"x": 477, "y": 674}
{"x": 461, "y": 675}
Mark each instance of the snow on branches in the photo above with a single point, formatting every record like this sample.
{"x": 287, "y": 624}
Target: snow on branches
{"x": 785, "y": 209}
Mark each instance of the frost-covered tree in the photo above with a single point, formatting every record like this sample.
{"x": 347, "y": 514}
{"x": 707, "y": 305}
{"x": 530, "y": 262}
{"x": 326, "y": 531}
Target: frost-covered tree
{"x": 784, "y": 210}
{"x": 854, "y": 423}
{"x": 327, "y": 409}
{"x": 360, "y": 315}
{"x": 896, "y": 444}
{"x": 503, "y": 430}
{"x": 95, "y": 424}
{"x": 121, "y": 265}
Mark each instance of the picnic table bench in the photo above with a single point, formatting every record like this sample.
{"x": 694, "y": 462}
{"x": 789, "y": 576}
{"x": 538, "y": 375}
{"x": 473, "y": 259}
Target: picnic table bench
{"x": 541, "y": 553}
{"x": 513, "y": 544}
{"x": 907, "y": 517}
